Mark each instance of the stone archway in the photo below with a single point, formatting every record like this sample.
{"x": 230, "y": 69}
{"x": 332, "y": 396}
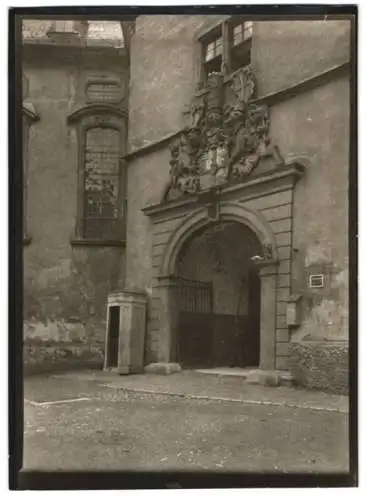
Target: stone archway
{"x": 198, "y": 219}
{"x": 166, "y": 290}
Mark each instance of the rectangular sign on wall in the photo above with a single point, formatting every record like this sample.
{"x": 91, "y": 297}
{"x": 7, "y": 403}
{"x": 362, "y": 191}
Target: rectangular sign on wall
{"x": 316, "y": 280}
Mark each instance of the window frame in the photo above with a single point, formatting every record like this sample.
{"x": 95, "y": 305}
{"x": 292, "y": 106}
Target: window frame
{"x": 231, "y": 24}
{"x": 82, "y": 208}
{"x": 108, "y": 117}
{"x": 225, "y": 27}
{"x": 211, "y": 35}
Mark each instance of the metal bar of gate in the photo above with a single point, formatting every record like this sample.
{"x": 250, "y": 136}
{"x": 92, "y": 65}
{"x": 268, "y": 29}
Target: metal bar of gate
{"x": 196, "y": 296}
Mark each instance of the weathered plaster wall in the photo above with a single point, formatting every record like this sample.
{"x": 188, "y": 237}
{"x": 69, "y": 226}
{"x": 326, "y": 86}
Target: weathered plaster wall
{"x": 287, "y": 52}
{"x": 65, "y": 286}
{"x": 146, "y": 178}
{"x": 315, "y": 125}
{"x": 163, "y": 68}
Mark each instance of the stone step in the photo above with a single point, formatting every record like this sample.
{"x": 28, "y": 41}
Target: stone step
{"x": 253, "y": 376}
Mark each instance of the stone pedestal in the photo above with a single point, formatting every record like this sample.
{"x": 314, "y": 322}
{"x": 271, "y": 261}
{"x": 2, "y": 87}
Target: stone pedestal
{"x": 132, "y": 327}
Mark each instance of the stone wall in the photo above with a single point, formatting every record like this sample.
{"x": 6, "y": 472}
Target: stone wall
{"x": 50, "y": 356}
{"x": 320, "y": 365}
{"x": 65, "y": 286}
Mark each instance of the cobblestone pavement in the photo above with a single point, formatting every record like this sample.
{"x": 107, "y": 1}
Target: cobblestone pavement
{"x": 90, "y": 420}
{"x": 193, "y": 384}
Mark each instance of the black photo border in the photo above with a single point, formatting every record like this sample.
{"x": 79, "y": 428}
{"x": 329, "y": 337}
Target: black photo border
{"x": 89, "y": 480}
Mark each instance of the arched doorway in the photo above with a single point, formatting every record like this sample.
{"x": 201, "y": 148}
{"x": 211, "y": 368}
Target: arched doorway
{"x": 219, "y": 297}
{"x": 176, "y": 233}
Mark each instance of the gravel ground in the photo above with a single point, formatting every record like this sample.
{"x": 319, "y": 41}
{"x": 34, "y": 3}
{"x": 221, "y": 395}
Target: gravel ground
{"x": 212, "y": 386}
{"x": 115, "y": 429}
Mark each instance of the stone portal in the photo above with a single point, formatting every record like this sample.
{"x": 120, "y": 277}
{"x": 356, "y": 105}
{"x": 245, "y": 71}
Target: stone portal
{"x": 263, "y": 208}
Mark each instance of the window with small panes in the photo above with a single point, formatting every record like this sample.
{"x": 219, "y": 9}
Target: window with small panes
{"x": 240, "y": 43}
{"x": 102, "y": 185}
{"x": 227, "y": 47}
{"x": 212, "y": 53}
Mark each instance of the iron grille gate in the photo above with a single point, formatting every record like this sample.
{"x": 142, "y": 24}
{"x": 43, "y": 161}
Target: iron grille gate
{"x": 195, "y": 322}
{"x": 195, "y": 296}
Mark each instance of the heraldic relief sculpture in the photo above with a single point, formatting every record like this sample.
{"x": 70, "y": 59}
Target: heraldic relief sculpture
{"x": 225, "y": 138}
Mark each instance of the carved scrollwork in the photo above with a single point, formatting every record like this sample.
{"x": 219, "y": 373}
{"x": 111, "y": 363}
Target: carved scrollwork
{"x": 247, "y": 130}
{"x": 244, "y": 85}
{"x": 225, "y": 137}
{"x": 267, "y": 252}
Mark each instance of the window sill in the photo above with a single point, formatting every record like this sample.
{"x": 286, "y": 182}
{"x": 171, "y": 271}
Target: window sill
{"x": 27, "y": 239}
{"x": 97, "y": 243}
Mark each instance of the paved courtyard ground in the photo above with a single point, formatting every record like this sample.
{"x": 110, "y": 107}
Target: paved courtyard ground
{"x": 188, "y": 421}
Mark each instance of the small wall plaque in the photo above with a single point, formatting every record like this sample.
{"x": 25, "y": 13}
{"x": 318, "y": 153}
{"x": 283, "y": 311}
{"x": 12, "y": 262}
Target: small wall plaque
{"x": 316, "y": 281}
{"x": 101, "y": 90}
{"x": 293, "y": 310}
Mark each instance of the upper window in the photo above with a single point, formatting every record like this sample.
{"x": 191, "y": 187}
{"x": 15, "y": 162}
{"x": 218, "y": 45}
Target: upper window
{"x": 241, "y": 33}
{"x": 227, "y": 47}
{"x": 240, "y": 42}
{"x": 212, "y": 53}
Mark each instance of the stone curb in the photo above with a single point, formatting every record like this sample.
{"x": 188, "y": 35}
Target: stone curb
{"x": 227, "y": 400}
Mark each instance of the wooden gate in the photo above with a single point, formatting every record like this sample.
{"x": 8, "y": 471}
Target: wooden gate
{"x": 195, "y": 339}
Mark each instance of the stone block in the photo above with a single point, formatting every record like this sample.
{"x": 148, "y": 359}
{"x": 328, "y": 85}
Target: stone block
{"x": 260, "y": 377}
{"x": 163, "y": 368}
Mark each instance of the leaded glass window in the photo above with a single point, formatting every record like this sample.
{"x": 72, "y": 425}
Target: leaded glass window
{"x": 102, "y": 210}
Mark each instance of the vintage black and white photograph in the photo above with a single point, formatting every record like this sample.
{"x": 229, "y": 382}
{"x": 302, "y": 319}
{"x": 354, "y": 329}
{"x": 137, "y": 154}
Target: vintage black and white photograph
{"x": 186, "y": 242}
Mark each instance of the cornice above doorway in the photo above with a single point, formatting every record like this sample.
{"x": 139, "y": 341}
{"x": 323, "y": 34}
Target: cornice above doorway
{"x": 260, "y": 185}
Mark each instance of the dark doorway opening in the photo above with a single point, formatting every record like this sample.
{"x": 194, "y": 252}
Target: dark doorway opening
{"x": 251, "y": 336}
{"x": 113, "y": 336}
{"x": 219, "y": 299}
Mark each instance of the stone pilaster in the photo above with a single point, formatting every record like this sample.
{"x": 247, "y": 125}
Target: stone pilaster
{"x": 268, "y": 318}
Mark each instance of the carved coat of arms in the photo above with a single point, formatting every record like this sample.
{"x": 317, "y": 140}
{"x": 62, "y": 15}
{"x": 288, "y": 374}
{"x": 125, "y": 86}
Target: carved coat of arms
{"x": 224, "y": 139}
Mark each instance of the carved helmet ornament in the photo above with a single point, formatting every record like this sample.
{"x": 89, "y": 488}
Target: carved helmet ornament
{"x": 225, "y": 137}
